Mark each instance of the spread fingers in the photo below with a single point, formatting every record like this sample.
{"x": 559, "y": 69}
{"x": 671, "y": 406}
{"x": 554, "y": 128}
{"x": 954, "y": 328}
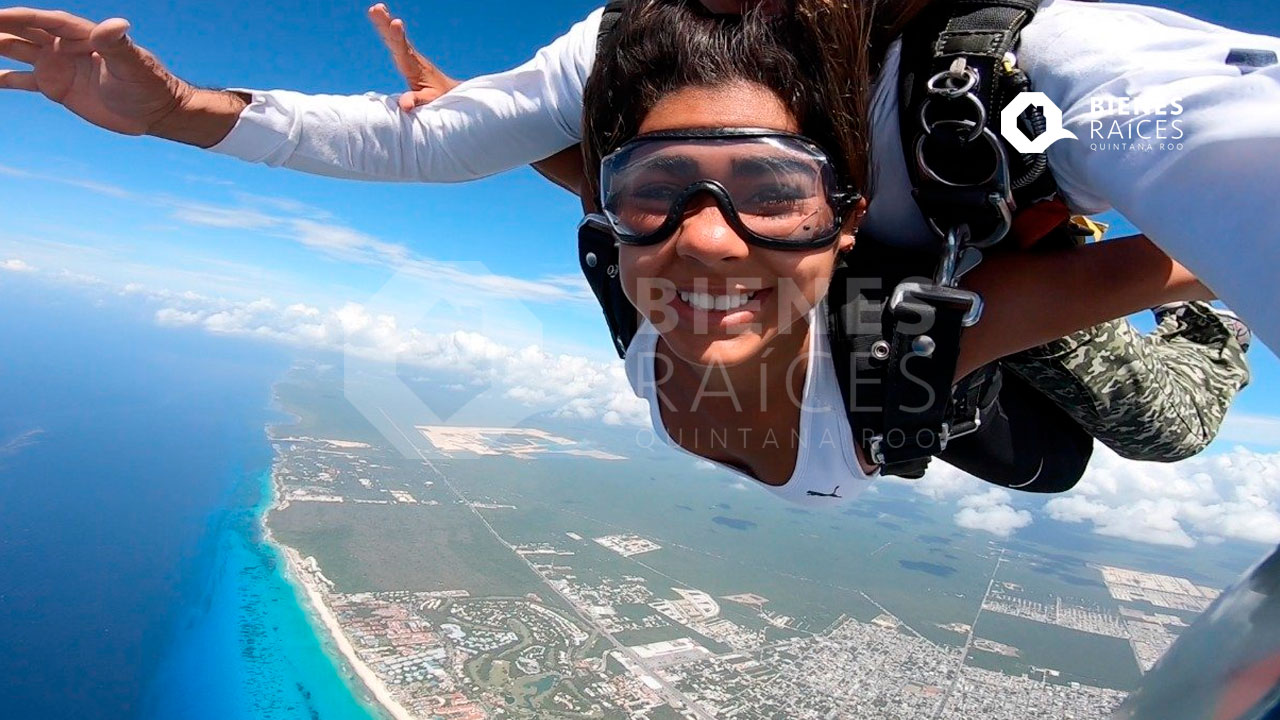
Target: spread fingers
{"x": 18, "y": 80}
{"x": 16, "y": 48}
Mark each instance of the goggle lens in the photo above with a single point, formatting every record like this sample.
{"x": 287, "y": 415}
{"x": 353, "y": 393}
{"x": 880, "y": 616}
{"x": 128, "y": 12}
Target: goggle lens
{"x": 780, "y": 188}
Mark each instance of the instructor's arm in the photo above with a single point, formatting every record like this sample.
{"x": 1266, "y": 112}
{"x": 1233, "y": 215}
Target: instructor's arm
{"x": 97, "y": 72}
{"x": 1200, "y": 175}
{"x": 484, "y": 126}
{"x": 1033, "y": 298}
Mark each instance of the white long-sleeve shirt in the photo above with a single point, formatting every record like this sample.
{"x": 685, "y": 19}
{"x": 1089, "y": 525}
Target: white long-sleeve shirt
{"x": 1208, "y": 203}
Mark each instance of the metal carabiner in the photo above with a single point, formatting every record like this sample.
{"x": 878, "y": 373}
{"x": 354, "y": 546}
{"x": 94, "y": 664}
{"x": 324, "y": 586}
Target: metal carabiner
{"x": 955, "y": 81}
{"x": 1004, "y": 224}
{"x": 999, "y": 170}
{"x": 979, "y": 122}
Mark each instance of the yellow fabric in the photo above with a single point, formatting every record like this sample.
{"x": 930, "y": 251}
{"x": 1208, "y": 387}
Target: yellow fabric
{"x": 1096, "y": 228}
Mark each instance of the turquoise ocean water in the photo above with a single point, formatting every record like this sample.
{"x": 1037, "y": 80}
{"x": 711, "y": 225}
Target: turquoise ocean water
{"x": 249, "y": 649}
{"x": 134, "y": 579}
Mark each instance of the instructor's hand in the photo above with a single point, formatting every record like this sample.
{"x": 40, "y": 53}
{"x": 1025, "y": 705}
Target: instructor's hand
{"x": 97, "y": 72}
{"x": 426, "y": 82}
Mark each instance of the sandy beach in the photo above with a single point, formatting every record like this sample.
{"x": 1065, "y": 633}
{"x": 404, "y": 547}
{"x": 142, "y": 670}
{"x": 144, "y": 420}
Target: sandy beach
{"x": 315, "y": 598}
{"x": 297, "y": 574}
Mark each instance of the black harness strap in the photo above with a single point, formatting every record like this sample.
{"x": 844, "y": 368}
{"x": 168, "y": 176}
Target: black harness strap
{"x": 956, "y": 73}
{"x": 912, "y": 432}
{"x": 955, "y": 77}
{"x": 609, "y": 19}
{"x": 885, "y": 331}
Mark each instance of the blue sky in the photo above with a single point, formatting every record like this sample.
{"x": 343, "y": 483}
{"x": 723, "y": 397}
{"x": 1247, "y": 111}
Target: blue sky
{"x": 112, "y": 212}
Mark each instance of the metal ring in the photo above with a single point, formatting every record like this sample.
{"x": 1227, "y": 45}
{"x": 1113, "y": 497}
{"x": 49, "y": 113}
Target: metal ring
{"x": 1001, "y": 229}
{"x": 979, "y": 123}
{"x": 944, "y": 82}
{"x": 984, "y": 132}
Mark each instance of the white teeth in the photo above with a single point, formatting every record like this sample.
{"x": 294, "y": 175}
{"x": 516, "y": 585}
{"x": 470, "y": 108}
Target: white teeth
{"x": 707, "y": 301}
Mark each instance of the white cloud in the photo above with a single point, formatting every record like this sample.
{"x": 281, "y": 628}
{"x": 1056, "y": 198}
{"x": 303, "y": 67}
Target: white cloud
{"x": 1232, "y": 495}
{"x": 1210, "y": 498}
{"x": 314, "y": 229}
{"x": 1149, "y": 521}
{"x": 208, "y": 180}
{"x": 1261, "y": 430}
{"x": 222, "y": 217}
{"x": 944, "y": 482}
{"x": 97, "y": 187}
{"x": 79, "y": 278}
{"x": 16, "y": 265}
{"x": 991, "y": 512}
{"x": 344, "y": 241}
{"x": 12, "y": 445}
{"x": 171, "y": 317}
{"x": 569, "y": 385}
{"x": 318, "y": 230}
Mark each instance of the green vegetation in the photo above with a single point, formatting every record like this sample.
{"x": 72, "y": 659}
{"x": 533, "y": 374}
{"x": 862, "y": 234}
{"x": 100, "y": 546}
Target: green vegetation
{"x": 1082, "y": 657}
{"x": 403, "y": 547}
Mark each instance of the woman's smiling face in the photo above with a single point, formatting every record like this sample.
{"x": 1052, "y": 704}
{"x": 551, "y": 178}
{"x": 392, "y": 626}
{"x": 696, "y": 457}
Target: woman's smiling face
{"x": 706, "y": 256}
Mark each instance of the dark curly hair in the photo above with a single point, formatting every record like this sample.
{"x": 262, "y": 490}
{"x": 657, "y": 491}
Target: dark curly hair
{"x": 661, "y": 46}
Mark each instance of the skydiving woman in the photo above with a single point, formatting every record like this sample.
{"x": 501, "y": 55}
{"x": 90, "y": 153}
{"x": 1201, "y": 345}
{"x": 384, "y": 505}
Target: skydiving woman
{"x": 1160, "y": 397}
{"x": 726, "y": 174}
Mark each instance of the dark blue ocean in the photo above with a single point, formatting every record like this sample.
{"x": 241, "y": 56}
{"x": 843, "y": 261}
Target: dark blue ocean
{"x": 133, "y": 470}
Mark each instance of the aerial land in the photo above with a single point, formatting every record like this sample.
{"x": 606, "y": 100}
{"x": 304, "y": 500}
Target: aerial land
{"x": 519, "y": 578}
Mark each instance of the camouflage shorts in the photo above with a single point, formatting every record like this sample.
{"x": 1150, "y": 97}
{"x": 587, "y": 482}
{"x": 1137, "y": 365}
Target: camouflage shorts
{"x": 1158, "y": 397}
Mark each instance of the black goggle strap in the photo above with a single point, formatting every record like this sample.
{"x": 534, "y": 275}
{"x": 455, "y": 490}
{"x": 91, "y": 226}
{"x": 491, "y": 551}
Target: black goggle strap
{"x": 598, "y": 258}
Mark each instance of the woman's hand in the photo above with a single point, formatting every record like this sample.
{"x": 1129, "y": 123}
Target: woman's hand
{"x": 426, "y": 82}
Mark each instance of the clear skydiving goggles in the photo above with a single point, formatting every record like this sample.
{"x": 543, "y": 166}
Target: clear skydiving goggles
{"x": 777, "y": 190}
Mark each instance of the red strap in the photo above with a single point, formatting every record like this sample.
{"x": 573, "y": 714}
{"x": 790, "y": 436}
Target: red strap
{"x": 1034, "y": 222}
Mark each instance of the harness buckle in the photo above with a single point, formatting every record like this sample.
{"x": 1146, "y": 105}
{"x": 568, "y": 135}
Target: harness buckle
{"x": 967, "y": 427}
{"x": 967, "y": 300}
{"x": 876, "y": 449}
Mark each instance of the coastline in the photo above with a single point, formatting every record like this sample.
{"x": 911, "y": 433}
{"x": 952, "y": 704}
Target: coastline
{"x": 314, "y": 605}
{"x": 297, "y": 575}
